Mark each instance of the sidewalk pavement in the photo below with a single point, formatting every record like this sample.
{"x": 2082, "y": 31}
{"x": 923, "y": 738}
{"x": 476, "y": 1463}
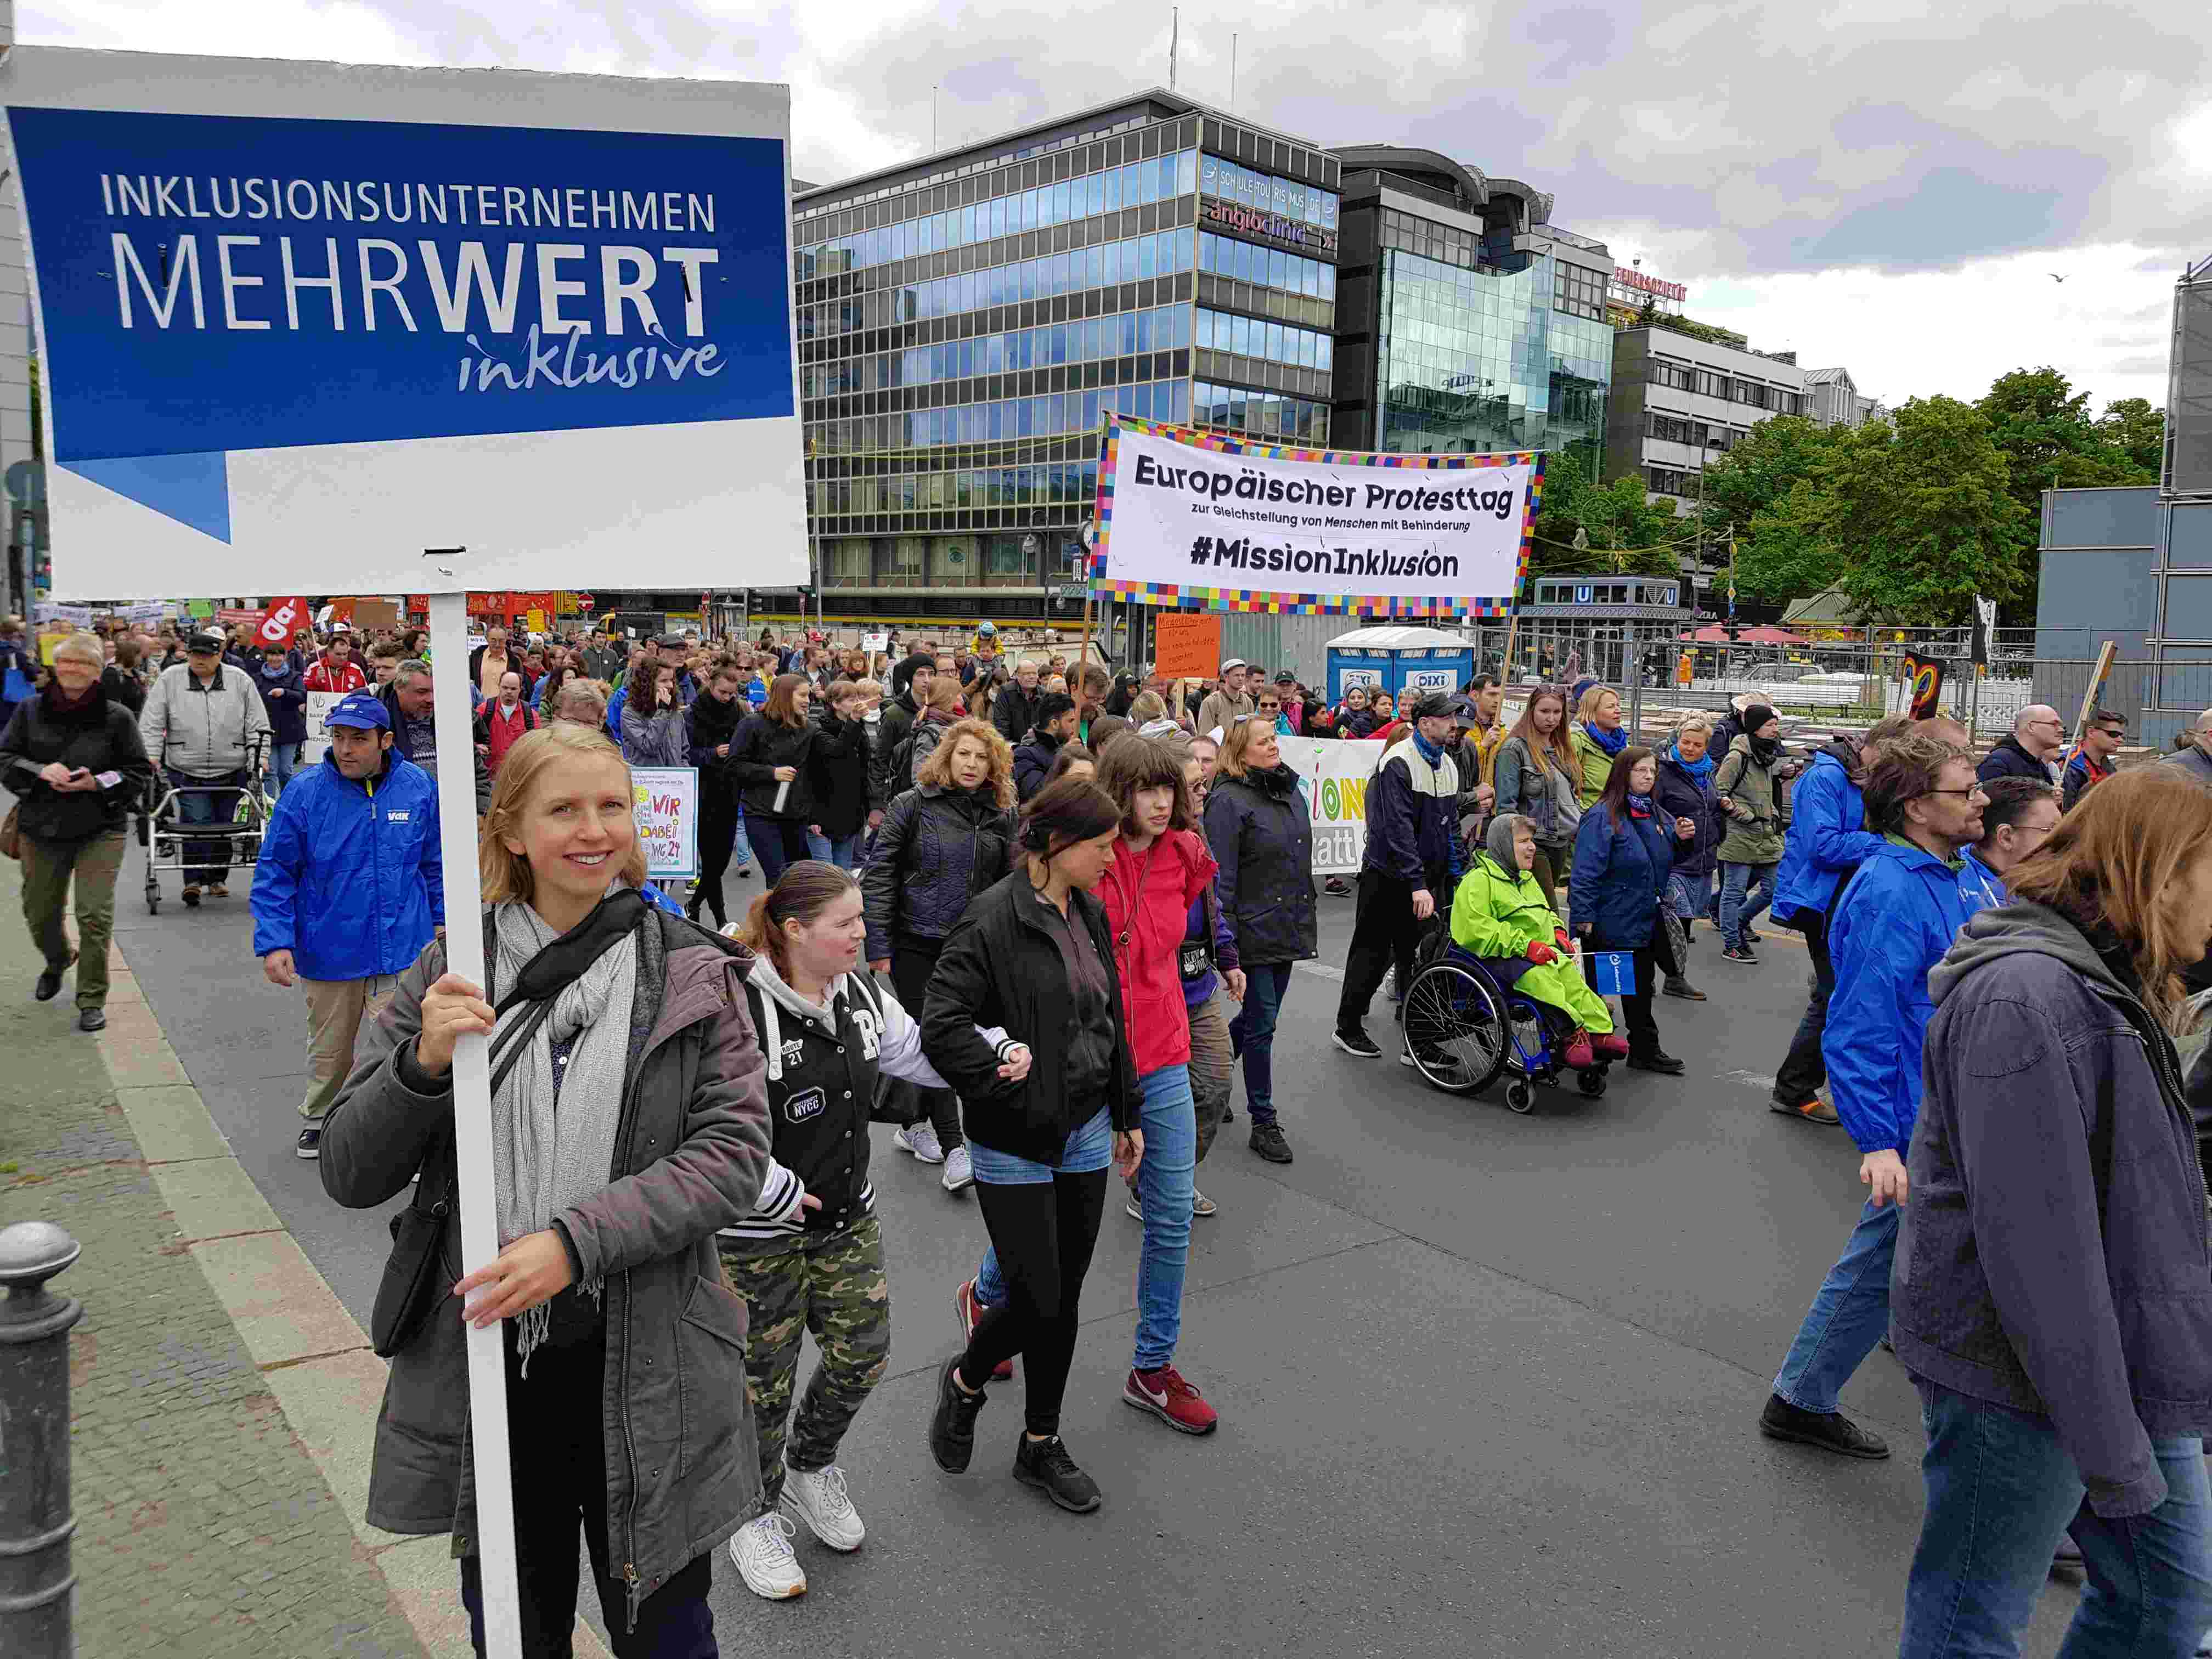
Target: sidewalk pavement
{"x": 222, "y": 1400}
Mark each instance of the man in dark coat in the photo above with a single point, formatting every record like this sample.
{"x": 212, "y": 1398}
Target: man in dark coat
{"x": 1035, "y": 754}
{"x": 2029, "y": 750}
{"x": 910, "y": 681}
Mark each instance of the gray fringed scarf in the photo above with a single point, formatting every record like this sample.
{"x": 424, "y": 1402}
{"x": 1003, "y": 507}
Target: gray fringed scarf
{"x": 549, "y": 1154}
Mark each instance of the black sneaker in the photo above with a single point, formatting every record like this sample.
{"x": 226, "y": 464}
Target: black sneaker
{"x": 1267, "y": 1141}
{"x": 91, "y": 1019}
{"x": 1659, "y": 1060}
{"x": 50, "y": 982}
{"x": 1683, "y": 989}
{"x": 952, "y": 1424}
{"x": 310, "y": 1144}
{"x": 1738, "y": 953}
{"x": 1356, "y": 1043}
{"x": 1228, "y": 1115}
{"x": 1046, "y": 1465}
{"x": 1829, "y": 1431}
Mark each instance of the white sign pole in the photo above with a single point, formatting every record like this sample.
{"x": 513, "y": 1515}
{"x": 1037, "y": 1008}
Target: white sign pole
{"x": 457, "y": 824}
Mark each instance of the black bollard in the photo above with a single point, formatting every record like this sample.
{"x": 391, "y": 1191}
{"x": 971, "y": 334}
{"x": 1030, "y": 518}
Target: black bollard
{"x": 36, "y": 1583}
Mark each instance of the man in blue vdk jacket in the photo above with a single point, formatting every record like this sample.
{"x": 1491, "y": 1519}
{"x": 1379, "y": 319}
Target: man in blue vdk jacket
{"x": 349, "y": 890}
{"x": 1896, "y": 919}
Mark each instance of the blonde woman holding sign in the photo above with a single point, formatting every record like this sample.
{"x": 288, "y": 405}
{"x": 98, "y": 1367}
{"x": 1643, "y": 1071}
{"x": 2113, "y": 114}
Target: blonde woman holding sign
{"x": 629, "y": 1121}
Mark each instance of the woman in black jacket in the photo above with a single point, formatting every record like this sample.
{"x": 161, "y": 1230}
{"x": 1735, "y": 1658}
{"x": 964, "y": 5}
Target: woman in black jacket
{"x": 1033, "y": 955}
{"x": 1261, "y": 832}
{"x": 75, "y": 759}
{"x": 838, "y": 773}
{"x": 767, "y": 762}
{"x": 940, "y": 844}
{"x": 2052, "y": 1289}
{"x": 1684, "y": 794}
{"x": 713, "y": 728}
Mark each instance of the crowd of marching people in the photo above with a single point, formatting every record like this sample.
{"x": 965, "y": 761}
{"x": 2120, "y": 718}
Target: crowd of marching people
{"x": 1039, "y": 917}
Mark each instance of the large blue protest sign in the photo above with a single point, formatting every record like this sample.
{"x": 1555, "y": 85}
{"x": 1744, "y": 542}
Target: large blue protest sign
{"x": 594, "y": 279}
{"x": 311, "y": 310}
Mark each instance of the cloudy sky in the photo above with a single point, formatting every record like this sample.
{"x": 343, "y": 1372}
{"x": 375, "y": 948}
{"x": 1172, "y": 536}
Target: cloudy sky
{"x": 1878, "y": 183}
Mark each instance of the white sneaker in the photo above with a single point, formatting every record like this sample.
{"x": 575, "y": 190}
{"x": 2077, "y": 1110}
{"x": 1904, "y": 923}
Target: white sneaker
{"x": 920, "y": 1139}
{"x": 761, "y": 1550}
{"x": 958, "y": 1173}
{"x": 820, "y": 1500}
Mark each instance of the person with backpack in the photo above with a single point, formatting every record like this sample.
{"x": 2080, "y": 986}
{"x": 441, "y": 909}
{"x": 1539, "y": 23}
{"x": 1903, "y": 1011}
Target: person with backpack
{"x": 503, "y": 722}
{"x": 1749, "y": 790}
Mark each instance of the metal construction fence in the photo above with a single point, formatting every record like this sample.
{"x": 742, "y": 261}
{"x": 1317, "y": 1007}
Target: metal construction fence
{"x": 1851, "y": 678}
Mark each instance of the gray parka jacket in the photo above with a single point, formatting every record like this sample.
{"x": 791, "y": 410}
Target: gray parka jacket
{"x": 690, "y": 1153}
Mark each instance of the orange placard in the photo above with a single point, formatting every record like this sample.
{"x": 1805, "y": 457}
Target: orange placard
{"x": 1187, "y": 644}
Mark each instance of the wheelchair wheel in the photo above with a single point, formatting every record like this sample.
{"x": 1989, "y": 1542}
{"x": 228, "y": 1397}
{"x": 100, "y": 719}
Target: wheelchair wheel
{"x": 1592, "y": 1084}
{"x": 1455, "y": 1028}
{"x": 1521, "y": 1095}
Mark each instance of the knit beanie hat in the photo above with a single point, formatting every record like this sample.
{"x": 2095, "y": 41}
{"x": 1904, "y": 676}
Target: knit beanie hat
{"x": 1755, "y": 715}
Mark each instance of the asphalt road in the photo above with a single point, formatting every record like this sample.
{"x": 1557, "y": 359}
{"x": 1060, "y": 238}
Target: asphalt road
{"x": 1488, "y": 1382}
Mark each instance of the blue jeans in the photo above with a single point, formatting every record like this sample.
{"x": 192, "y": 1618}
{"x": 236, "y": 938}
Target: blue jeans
{"x": 843, "y": 851}
{"x": 2000, "y": 1493}
{"x": 1738, "y": 907}
{"x": 212, "y": 800}
{"x": 1689, "y": 897}
{"x": 1850, "y": 1314}
{"x": 1166, "y": 1181}
{"x": 1089, "y": 1150}
{"x": 1252, "y": 1034}
{"x": 283, "y": 761}
{"x": 780, "y": 843}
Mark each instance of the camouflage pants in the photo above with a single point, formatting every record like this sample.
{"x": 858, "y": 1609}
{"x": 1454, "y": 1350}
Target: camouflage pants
{"x": 833, "y": 1286}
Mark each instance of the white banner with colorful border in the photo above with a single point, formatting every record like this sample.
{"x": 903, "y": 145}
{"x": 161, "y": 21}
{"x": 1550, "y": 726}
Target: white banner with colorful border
{"x": 667, "y": 811}
{"x": 1333, "y": 773}
{"x": 1310, "y": 531}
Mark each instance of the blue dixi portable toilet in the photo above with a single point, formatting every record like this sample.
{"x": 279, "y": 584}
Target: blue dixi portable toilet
{"x": 1399, "y": 660}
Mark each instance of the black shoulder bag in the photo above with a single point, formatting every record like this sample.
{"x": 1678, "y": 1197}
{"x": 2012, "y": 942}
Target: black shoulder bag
{"x": 414, "y": 1274}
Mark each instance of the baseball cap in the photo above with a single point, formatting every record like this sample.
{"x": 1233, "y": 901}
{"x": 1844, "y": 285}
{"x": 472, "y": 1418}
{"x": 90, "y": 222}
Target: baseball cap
{"x": 1425, "y": 705}
{"x": 672, "y": 641}
{"x": 206, "y": 639}
{"x": 1286, "y": 678}
{"x": 361, "y": 709}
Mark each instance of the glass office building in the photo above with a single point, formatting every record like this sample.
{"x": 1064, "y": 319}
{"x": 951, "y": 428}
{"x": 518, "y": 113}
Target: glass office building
{"x": 1468, "y": 322}
{"x": 966, "y": 321}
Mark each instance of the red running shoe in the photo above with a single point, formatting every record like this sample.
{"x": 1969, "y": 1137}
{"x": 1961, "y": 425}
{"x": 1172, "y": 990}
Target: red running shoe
{"x": 1167, "y": 1397}
{"x": 970, "y": 1313}
{"x": 1613, "y": 1045}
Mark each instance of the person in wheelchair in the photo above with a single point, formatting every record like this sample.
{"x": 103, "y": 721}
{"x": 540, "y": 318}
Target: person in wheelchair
{"x": 1501, "y": 918}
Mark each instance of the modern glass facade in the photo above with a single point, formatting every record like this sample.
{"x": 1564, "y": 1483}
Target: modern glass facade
{"x": 966, "y": 323}
{"x": 1469, "y": 361}
{"x": 1469, "y": 324}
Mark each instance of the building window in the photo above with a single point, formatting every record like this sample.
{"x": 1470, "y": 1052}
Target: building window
{"x": 1579, "y": 293}
{"x": 1675, "y": 375}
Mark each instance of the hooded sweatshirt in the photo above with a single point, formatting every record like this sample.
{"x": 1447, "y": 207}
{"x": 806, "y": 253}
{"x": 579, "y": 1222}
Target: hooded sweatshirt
{"x": 2054, "y": 1258}
{"x": 823, "y": 1062}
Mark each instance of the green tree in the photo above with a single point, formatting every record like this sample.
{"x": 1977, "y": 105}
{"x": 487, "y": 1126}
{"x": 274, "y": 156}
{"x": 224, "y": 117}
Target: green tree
{"x": 2043, "y": 427}
{"x": 2136, "y": 428}
{"x": 1621, "y": 528}
{"x": 1745, "y": 489}
{"x": 1922, "y": 508}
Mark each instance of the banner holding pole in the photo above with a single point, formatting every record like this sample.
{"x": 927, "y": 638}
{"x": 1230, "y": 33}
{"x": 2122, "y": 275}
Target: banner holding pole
{"x": 302, "y": 325}
{"x": 1200, "y": 520}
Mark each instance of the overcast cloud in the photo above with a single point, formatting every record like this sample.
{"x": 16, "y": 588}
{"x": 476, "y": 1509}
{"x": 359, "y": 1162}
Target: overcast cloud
{"x": 1878, "y": 184}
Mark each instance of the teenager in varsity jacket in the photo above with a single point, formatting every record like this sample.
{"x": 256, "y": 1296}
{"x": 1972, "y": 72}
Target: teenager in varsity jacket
{"x": 810, "y": 1256}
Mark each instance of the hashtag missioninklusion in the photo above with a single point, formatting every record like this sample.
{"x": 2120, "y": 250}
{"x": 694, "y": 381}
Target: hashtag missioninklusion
{"x": 1353, "y": 524}
{"x": 1248, "y": 483}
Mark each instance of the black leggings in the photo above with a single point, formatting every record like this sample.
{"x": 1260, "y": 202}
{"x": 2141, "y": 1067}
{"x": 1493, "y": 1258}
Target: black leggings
{"x": 913, "y": 961}
{"x": 1043, "y": 1234}
{"x": 560, "y": 1468}
{"x": 718, "y": 835}
{"x": 779, "y": 843}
